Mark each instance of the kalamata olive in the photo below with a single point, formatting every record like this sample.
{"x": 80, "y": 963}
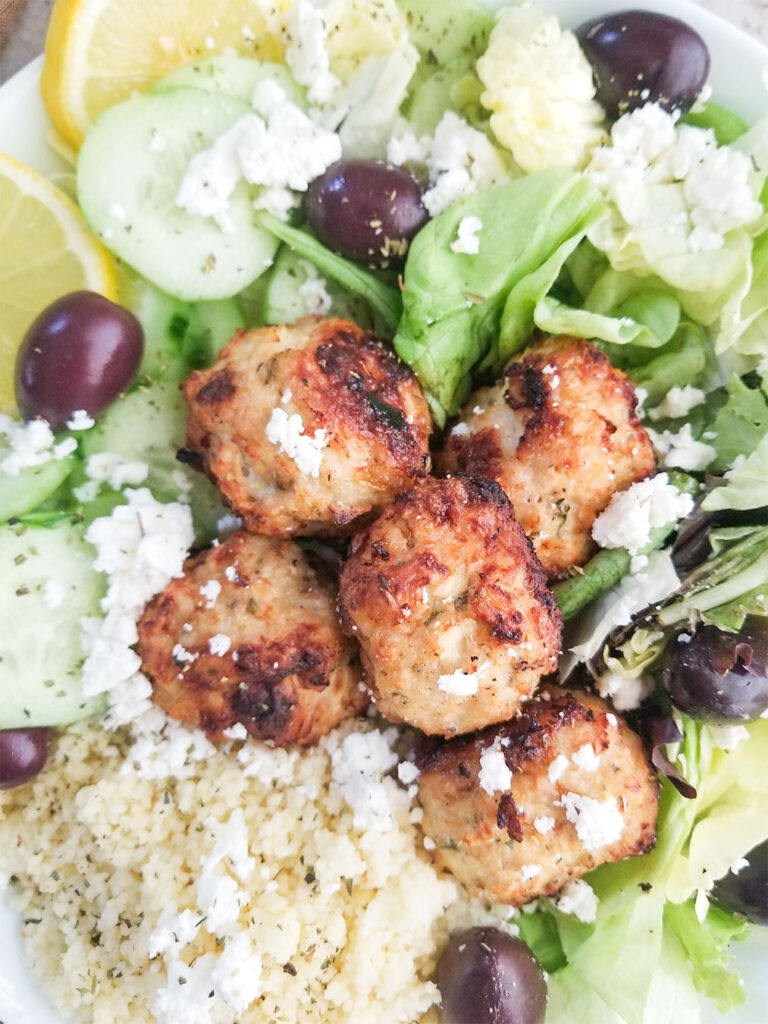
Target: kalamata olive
{"x": 718, "y": 676}
{"x": 488, "y": 977}
{"x": 82, "y": 352}
{"x": 744, "y": 890}
{"x": 366, "y": 210}
{"x": 642, "y": 57}
{"x": 23, "y": 752}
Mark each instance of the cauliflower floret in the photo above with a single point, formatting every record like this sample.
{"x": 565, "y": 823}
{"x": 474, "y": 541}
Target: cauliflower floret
{"x": 539, "y": 87}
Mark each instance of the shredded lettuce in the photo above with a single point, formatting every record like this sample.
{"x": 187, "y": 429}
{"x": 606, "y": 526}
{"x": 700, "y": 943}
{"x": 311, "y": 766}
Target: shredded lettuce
{"x": 747, "y": 485}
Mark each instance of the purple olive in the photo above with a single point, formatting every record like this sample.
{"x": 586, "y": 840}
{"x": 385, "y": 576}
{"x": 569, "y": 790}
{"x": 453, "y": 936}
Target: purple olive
{"x": 82, "y": 352}
{"x": 642, "y": 57}
{"x": 488, "y": 977}
{"x": 717, "y": 676}
{"x": 23, "y": 752}
{"x": 366, "y": 210}
{"x": 745, "y": 891}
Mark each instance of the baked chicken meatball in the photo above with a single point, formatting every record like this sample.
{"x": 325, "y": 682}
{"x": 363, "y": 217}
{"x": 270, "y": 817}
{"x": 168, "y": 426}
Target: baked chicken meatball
{"x": 306, "y": 427}
{"x": 519, "y": 809}
{"x": 249, "y": 634}
{"x": 455, "y": 621}
{"x": 560, "y": 434}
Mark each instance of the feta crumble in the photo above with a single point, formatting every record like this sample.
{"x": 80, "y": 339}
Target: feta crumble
{"x": 495, "y": 776}
{"x": 680, "y": 450}
{"x": 678, "y": 402}
{"x": 210, "y": 591}
{"x": 31, "y": 444}
{"x": 287, "y": 433}
{"x": 586, "y": 758}
{"x": 544, "y": 824}
{"x": 306, "y": 53}
{"x": 314, "y": 290}
{"x": 673, "y": 193}
{"x": 359, "y": 768}
{"x": 598, "y": 823}
{"x": 278, "y": 147}
{"x": 80, "y": 420}
{"x": 460, "y": 161}
{"x": 557, "y": 768}
{"x": 466, "y": 240}
{"x": 577, "y": 897}
{"x": 632, "y": 514}
{"x": 530, "y": 871}
{"x": 460, "y": 683}
{"x": 625, "y": 693}
{"x": 219, "y": 644}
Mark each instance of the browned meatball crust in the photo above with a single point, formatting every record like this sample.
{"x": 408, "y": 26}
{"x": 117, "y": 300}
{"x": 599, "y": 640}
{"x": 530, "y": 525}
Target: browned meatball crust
{"x": 249, "y": 634}
{"x": 309, "y": 426}
{"x": 450, "y": 606}
{"x": 560, "y": 434}
{"x": 519, "y": 809}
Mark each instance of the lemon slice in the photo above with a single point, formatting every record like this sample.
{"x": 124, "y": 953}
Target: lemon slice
{"x": 45, "y": 252}
{"x": 99, "y": 52}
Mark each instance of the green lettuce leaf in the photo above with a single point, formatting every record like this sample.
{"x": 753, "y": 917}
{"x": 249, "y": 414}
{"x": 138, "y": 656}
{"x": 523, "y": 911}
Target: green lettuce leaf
{"x": 747, "y": 485}
{"x": 706, "y": 946}
{"x": 739, "y": 425}
{"x": 453, "y": 303}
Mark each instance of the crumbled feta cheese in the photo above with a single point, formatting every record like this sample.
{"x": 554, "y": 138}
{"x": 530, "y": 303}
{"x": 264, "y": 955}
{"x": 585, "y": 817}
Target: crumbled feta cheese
{"x": 141, "y": 545}
{"x": 80, "y": 420}
{"x": 182, "y": 656}
{"x": 495, "y": 776}
{"x": 586, "y": 758}
{"x": 116, "y": 471}
{"x": 625, "y": 693}
{"x": 530, "y": 871}
{"x": 306, "y": 53}
{"x": 185, "y": 997}
{"x": 540, "y": 89}
{"x": 236, "y": 976}
{"x": 466, "y": 240}
{"x": 460, "y": 161}
{"x": 210, "y": 591}
{"x": 278, "y": 147}
{"x": 314, "y": 290}
{"x": 544, "y": 824}
{"x": 429, "y": 843}
{"x": 638, "y": 564}
{"x": 598, "y": 822}
{"x": 219, "y": 644}
{"x": 287, "y": 432}
{"x": 31, "y": 444}
{"x": 611, "y": 719}
{"x": 678, "y": 402}
{"x": 236, "y": 732}
{"x": 53, "y": 593}
{"x": 407, "y": 772}
{"x": 672, "y": 192}
{"x": 577, "y": 897}
{"x": 557, "y": 768}
{"x": 680, "y": 450}
{"x": 738, "y": 865}
{"x": 358, "y": 769}
{"x": 728, "y": 737}
{"x": 172, "y": 929}
{"x": 632, "y": 514}
{"x": 460, "y": 683}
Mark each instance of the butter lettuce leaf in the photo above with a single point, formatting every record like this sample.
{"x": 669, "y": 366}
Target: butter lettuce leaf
{"x": 453, "y": 303}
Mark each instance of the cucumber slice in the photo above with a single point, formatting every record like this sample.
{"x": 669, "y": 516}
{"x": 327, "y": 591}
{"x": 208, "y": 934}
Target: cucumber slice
{"x": 232, "y": 76}
{"x": 178, "y": 336}
{"x": 283, "y": 302}
{"x": 22, "y": 493}
{"x": 150, "y": 424}
{"x": 127, "y": 186}
{"x": 47, "y": 583}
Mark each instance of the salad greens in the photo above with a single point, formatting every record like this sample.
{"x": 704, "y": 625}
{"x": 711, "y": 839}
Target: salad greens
{"x": 554, "y": 256}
